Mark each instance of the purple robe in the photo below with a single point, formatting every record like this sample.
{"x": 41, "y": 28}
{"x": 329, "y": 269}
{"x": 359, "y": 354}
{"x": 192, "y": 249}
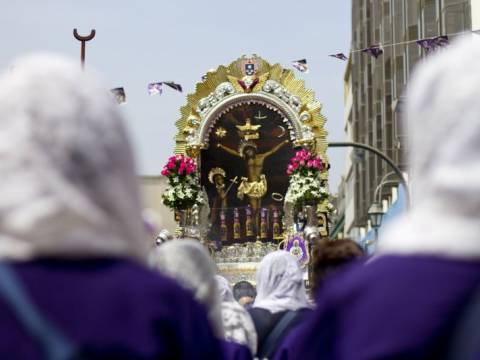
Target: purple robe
{"x": 109, "y": 308}
{"x": 234, "y": 351}
{"x": 395, "y": 307}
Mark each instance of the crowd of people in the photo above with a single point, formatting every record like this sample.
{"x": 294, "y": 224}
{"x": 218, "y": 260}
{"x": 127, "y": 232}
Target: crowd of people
{"x": 78, "y": 280}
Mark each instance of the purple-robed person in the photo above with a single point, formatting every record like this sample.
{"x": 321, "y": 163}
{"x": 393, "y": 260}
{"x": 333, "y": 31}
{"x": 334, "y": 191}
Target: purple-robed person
{"x": 72, "y": 245}
{"x": 189, "y": 262}
{"x": 418, "y": 298}
{"x": 281, "y": 303}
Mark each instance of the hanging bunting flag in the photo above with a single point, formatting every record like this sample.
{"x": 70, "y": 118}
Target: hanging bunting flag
{"x": 173, "y": 85}
{"x": 432, "y": 44}
{"x": 301, "y": 65}
{"x": 155, "y": 88}
{"x": 441, "y": 40}
{"x": 374, "y": 50}
{"x": 340, "y": 56}
{"x": 119, "y": 94}
{"x": 427, "y": 44}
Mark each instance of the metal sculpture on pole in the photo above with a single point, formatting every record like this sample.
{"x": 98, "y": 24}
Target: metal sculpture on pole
{"x": 83, "y": 40}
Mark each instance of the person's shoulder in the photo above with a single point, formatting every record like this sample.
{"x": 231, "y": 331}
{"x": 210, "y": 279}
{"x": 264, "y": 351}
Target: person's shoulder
{"x": 374, "y": 277}
{"x": 361, "y": 274}
{"x": 387, "y": 267}
{"x": 139, "y": 280}
{"x": 233, "y": 306}
{"x": 259, "y": 312}
{"x": 232, "y": 350}
{"x": 304, "y": 311}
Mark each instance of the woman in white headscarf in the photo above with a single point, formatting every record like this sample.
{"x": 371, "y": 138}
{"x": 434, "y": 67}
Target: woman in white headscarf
{"x": 71, "y": 234}
{"x": 281, "y": 303}
{"x": 420, "y": 297}
{"x": 237, "y": 323}
{"x": 189, "y": 262}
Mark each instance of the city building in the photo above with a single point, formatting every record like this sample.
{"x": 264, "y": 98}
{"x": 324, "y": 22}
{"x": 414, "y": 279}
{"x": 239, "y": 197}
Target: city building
{"x": 374, "y": 92}
{"x": 151, "y": 189}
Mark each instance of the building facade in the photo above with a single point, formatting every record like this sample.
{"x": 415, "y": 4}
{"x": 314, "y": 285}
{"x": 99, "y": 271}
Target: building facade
{"x": 374, "y": 89}
{"x": 152, "y": 188}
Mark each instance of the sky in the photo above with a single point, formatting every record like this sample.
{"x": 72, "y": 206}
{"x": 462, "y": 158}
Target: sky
{"x": 138, "y": 42}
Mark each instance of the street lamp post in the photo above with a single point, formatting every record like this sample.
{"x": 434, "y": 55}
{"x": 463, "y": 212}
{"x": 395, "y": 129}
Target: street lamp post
{"x": 375, "y": 214}
{"x": 383, "y": 156}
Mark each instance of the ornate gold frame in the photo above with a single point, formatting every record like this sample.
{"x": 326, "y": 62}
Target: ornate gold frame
{"x": 275, "y": 87}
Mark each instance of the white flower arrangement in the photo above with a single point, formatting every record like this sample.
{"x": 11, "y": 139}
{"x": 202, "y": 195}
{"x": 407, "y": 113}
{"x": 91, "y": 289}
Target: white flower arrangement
{"x": 184, "y": 189}
{"x": 305, "y": 182}
{"x": 305, "y": 188}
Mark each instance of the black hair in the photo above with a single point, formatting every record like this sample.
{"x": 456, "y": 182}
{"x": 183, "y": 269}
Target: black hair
{"x": 243, "y": 288}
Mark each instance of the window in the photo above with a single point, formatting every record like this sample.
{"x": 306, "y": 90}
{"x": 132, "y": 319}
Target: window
{"x": 399, "y": 70}
{"x": 413, "y": 54}
{"x": 398, "y": 21}
{"x": 412, "y": 19}
{"x": 430, "y": 18}
{"x": 456, "y": 16}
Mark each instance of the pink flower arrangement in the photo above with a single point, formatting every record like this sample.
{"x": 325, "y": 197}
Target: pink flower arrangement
{"x": 179, "y": 165}
{"x": 184, "y": 186}
{"x": 304, "y": 161}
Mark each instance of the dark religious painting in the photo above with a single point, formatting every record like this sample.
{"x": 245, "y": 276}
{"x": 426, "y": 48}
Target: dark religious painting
{"x": 243, "y": 171}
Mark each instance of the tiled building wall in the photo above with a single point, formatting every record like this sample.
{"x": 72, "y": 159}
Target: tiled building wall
{"x": 378, "y": 84}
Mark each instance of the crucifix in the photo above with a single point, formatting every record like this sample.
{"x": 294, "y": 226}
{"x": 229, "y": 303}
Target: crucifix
{"x": 83, "y": 40}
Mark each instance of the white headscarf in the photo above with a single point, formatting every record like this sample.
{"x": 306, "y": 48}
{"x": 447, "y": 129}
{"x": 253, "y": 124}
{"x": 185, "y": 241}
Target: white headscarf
{"x": 443, "y": 111}
{"x": 280, "y": 284}
{"x": 237, "y": 323}
{"x": 224, "y": 289}
{"x": 187, "y": 261}
{"x": 67, "y": 178}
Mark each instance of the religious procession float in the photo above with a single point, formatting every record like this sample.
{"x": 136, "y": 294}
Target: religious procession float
{"x": 250, "y": 170}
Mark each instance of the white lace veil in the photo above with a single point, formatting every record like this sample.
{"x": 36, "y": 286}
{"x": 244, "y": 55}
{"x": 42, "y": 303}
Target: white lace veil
{"x": 443, "y": 113}
{"x": 187, "y": 261}
{"x": 237, "y": 323}
{"x": 67, "y": 178}
{"x": 224, "y": 289}
{"x": 280, "y": 284}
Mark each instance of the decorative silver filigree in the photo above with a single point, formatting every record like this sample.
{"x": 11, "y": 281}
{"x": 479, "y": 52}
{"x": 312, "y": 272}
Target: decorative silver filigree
{"x": 193, "y": 121}
{"x": 273, "y": 87}
{"x": 307, "y": 133}
{"x": 222, "y": 91}
{"x": 192, "y": 139}
{"x": 270, "y": 86}
{"x": 305, "y": 116}
{"x": 243, "y": 253}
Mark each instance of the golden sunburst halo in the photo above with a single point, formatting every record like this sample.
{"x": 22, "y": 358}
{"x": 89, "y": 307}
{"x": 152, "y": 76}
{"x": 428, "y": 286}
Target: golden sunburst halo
{"x": 285, "y": 77}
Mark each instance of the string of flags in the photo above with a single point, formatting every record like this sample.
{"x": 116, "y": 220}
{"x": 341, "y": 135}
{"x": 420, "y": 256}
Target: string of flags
{"x": 155, "y": 88}
{"x": 433, "y": 43}
{"x": 428, "y": 44}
